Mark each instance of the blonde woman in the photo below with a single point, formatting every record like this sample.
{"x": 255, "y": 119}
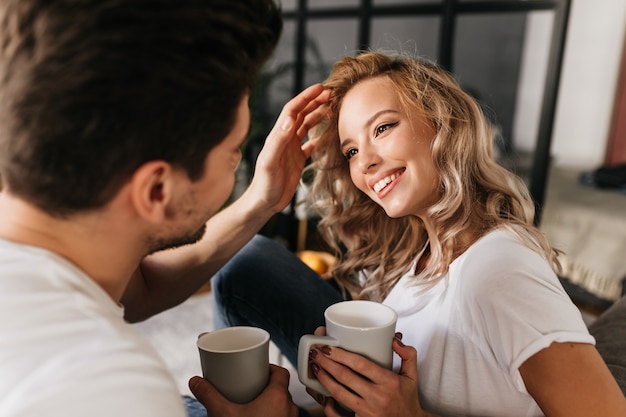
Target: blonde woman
{"x": 424, "y": 220}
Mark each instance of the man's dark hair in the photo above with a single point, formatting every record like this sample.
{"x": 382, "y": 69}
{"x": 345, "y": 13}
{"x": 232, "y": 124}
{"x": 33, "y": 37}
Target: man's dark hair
{"x": 92, "y": 89}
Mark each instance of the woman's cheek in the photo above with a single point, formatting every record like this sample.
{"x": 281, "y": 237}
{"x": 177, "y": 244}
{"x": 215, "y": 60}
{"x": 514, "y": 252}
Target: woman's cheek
{"x": 359, "y": 182}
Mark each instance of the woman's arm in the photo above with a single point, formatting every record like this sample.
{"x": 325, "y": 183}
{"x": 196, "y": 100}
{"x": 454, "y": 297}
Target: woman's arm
{"x": 571, "y": 379}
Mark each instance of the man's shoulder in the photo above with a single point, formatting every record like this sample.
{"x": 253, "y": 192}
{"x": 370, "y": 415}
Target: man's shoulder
{"x": 59, "y": 356}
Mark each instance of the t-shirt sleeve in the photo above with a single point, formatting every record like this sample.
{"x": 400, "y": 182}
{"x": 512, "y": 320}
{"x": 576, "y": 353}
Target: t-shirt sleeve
{"x": 517, "y": 303}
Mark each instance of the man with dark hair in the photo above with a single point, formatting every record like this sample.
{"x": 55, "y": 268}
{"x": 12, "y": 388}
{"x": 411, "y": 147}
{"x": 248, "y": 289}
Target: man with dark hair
{"x": 121, "y": 123}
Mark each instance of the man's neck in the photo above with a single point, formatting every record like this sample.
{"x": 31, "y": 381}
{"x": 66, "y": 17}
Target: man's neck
{"x": 91, "y": 241}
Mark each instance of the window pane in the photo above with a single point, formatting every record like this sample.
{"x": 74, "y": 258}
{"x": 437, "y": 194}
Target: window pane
{"x": 277, "y": 80}
{"x": 403, "y": 2}
{"x": 533, "y": 71}
{"x": 486, "y": 60}
{"x": 274, "y": 87}
{"x": 328, "y": 41}
{"x": 415, "y": 35}
{"x": 327, "y": 4}
{"x": 289, "y": 5}
{"x": 476, "y": 1}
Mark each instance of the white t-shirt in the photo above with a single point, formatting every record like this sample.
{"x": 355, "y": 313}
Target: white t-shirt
{"x": 65, "y": 349}
{"x": 499, "y": 304}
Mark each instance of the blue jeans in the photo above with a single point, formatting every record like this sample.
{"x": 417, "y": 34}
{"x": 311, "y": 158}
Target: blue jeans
{"x": 266, "y": 285}
{"x": 194, "y": 407}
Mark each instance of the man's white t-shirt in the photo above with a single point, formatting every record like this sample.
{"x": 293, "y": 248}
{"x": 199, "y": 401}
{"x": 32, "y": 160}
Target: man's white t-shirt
{"x": 65, "y": 349}
{"x": 499, "y": 304}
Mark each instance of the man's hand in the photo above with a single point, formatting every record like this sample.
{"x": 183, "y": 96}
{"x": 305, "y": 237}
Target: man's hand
{"x": 274, "y": 401}
{"x": 167, "y": 278}
{"x": 281, "y": 161}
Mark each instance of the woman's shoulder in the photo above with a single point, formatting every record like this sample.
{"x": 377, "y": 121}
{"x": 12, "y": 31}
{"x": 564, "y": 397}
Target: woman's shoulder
{"x": 500, "y": 256}
{"x": 501, "y": 243}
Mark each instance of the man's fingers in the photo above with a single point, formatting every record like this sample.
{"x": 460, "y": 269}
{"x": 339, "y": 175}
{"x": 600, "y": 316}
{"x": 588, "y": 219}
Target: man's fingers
{"x": 307, "y": 149}
{"x": 311, "y": 94}
{"x": 279, "y": 376}
{"x": 298, "y": 107}
{"x": 206, "y": 393}
{"x": 293, "y": 115}
{"x": 316, "y": 102}
{"x": 312, "y": 121}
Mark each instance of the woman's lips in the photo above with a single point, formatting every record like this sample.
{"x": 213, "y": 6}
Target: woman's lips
{"x": 382, "y": 183}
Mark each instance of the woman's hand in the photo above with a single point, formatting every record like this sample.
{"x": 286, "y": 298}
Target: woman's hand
{"x": 274, "y": 401}
{"x": 363, "y": 386}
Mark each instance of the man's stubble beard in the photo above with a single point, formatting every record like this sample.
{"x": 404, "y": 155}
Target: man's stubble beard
{"x": 163, "y": 244}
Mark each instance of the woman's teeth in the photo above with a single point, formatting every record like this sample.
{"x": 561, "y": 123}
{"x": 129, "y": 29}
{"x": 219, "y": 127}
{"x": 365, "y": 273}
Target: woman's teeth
{"x": 384, "y": 182}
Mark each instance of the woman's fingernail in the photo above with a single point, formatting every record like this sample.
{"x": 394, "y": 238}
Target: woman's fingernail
{"x": 321, "y": 399}
{"x": 287, "y": 123}
{"x": 315, "y": 367}
{"x": 325, "y": 350}
{"x": 312, "y": 353}
{"x": 398, "y": 339}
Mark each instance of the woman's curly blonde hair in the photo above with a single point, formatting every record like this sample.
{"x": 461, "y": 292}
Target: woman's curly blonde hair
{"x": 477, "y": 194}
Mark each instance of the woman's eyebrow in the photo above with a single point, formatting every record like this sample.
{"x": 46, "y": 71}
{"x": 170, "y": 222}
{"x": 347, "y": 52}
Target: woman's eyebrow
{"x": 377, "y": 115}
{"x": 371, "y": 120}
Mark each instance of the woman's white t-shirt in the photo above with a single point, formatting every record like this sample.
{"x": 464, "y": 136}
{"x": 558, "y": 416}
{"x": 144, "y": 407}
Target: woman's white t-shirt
{"x": 499, "y": 304}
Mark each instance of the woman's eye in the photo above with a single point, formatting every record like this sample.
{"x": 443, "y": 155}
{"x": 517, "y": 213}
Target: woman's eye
{"x": 350, "y": 153}
{"x": 382, "y": 128}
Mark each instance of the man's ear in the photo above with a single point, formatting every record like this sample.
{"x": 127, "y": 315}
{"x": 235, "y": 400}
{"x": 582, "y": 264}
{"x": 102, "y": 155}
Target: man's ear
{"x": 151, "y": 190}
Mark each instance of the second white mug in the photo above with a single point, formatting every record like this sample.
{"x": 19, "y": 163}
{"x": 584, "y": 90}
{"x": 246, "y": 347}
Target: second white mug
{"x": 359, "y": 326}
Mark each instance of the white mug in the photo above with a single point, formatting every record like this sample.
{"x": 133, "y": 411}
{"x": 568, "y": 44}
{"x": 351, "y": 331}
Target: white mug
{"x": 236, "y": 361}
{"x": 359, "y": 326}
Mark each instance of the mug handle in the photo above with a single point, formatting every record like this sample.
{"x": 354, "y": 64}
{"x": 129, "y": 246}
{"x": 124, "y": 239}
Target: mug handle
{"x": 304, "y": 347}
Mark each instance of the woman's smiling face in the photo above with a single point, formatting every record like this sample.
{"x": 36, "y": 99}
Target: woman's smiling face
{"x": 388, "y": 148}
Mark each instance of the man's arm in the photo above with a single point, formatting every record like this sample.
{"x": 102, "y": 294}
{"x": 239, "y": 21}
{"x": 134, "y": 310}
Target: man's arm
{"x": 167, "y": 278}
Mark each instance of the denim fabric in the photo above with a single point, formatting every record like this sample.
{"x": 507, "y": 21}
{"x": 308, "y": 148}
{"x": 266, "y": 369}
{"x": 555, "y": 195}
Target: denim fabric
{"x": 266, "y": 285}
{"x": 194, "y": 408}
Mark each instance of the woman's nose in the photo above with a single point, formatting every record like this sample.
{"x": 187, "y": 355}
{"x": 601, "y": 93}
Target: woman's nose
{"x": 368, "y": 158}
